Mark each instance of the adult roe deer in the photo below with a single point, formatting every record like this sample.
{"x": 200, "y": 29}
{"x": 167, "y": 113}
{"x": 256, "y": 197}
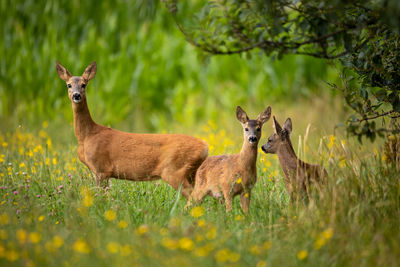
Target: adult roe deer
{"x": 232, "y": 174}
{"x": 298, "y": 174}
{"x": 131, "y": 156}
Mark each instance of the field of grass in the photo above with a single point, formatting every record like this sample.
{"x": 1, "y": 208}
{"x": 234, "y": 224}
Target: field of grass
{"x": 150, "y": 80}
{"x": 52, "y": 212}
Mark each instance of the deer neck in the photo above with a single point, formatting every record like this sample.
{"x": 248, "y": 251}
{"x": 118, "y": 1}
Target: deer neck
{"x": 248, "y": 156}
{"x": 287, "y": 158}
{"x": 83, "y": 122}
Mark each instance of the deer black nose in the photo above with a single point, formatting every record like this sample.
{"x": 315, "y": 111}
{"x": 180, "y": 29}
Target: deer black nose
{"x": 252, "y": 139}
{"x": 76, "y": 97}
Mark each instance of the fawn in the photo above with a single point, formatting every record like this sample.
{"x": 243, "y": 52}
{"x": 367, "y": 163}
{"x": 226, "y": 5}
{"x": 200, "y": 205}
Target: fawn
{"x": 131, "y": 156}
{"x": 298, "y": 174}
{"x": 232, "y": 174}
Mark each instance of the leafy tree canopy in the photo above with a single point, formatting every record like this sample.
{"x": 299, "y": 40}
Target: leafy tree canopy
{"x": 362, "y": 35}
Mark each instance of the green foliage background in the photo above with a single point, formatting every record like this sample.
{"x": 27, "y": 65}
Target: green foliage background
{"x": 147, "y": 74}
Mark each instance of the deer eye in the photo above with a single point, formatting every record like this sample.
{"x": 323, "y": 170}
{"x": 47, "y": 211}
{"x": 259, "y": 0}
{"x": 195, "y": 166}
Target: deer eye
{"x": 258, "y": 129}
{"x": 246, "y": 129}
{"x": 83, "y": 86}
{"x": 69, "y": 85}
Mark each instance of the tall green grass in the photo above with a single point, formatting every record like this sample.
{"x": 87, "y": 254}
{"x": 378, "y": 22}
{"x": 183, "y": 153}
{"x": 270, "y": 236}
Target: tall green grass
{"x": 147, "y": 73}
{"x": 48, "y": 196}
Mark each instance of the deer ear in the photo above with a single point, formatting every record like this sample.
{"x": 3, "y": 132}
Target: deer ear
{"x": 90, "y": 71}
{"x": 278, "y": 128}
{"x": 265, "y": 115}
{"x": 287, "y": 126}
{"x": 241, "y": 115}
{"x": 63, "y": 73}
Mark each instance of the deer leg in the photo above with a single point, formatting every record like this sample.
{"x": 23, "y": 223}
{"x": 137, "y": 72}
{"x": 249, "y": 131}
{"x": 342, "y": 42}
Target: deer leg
{"x": 228, "y": 200}
{"x": 102, "y": 179}
{"x": 177, "y": 178}
{"x": 245, "y": 201}
{"x": 196, "y": 197}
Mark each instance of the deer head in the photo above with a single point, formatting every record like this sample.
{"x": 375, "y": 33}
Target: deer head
{"x": 76, "y": 84}
{"x": 252, "y": 128}
{"x": 280, "y": 137}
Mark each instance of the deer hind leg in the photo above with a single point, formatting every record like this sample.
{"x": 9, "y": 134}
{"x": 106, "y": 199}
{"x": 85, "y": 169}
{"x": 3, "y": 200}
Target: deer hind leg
{"x": 197, "y": 197}
{"x": 102, "y": 179}
{"x": 245, "y": 201}
{"x": 228, "y": 200}
{"x": 176, "y": 179}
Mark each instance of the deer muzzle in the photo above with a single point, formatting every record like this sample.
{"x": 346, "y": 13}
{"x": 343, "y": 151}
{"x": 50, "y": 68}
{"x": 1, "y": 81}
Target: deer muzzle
{"x": 252, "y": 139}
{"x": 76, "y": 97}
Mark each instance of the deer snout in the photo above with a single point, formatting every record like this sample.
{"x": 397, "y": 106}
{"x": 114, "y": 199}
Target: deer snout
{"x": 252, "y": 139}
{"x": 76, "y": 97}
{"x": 264, "y": 149}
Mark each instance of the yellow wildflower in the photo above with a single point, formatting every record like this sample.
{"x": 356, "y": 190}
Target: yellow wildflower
{"x": 239, "y": 218}
{"x": 81, "y": 246}
{"x": 203, "y": 251}
{"x": 54, "y": 161}
{"x": 4, "y": 144}
{"x": 319, "y": 243}
{"x": 113, "y": 247}
{"x": 332, "y": 139}
{"x": 48, "y": 142}
{"x": 110, "y": 215}
{"x": 35, "y": 237}
{"x": 199, "y": 238}
{"x": 125, "y": 250}
{"x": 222, "y": 255}
{"x": 342, "y": 162}
{"x": 4, "y": 218}
{"x": 234, "y": 257}
{"x": 87, "y": 200}
{"x": 22, "y": 165}
{"x": 302, "y": 254}
{"x": 261, "y": 264}
{"x": 267, "y": 245}
{"x": 328, "y": 233}
{"x": 41, "y": 218}
{"x": 201, "y": 223}
{"x": 142, "y": 229}
{"x": 196, "y": 212}
{"x": 255, "y": 250}
{"x": 12, "y": 255}
{"x": 323, "y": 238}
{"x": 58, "y": 241}
{"x": 21, "y": 236}
{"x": 186, "y": 244}
{"x": 170, "y": 243}
{"x": 239, "y": 180}
{"x": 211, "y": 234}
{"x": 3, "y": 234}
{"x": 122, "y": 224}
{"x": 45, "y": 124}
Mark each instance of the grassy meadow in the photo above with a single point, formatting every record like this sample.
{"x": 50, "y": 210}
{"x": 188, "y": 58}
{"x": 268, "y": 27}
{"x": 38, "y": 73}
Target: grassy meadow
{"x": 150, "y": 80}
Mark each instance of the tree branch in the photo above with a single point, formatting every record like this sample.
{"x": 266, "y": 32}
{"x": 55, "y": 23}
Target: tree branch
{"x": 379, "y": 115}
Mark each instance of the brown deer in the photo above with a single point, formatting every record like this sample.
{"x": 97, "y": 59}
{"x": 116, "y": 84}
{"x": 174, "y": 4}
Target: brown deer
{"x": 131, "y": 156}
{"x": 298, "y": 174}
{"x": 232, "y": 174}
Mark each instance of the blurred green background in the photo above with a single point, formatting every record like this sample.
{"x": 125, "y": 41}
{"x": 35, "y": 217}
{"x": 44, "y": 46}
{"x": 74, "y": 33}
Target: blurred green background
{"x": 149, "y": 78}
